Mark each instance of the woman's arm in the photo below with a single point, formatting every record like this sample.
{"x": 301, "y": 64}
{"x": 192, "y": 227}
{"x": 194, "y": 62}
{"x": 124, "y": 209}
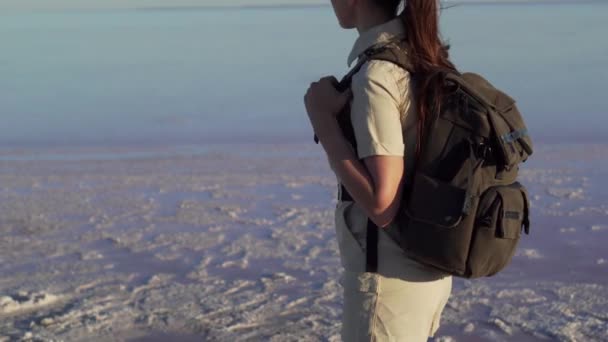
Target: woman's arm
{"x": 375, "y": 185}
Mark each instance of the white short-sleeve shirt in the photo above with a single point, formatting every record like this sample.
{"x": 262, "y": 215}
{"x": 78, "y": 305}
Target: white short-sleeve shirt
{"x": 382, "y": 110}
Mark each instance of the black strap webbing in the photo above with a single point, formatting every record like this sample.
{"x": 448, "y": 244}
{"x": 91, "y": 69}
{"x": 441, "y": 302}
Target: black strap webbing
{"x": 381, "y": 53}
{"x": 371, "y": 237}
{"x": 371, "y": 250}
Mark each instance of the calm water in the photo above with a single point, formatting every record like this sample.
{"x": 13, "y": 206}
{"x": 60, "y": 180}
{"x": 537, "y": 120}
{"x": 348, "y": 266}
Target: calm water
{"x": 172, "y": 76}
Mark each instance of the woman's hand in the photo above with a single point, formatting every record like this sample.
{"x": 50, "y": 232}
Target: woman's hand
{"x": 323, "y": 102}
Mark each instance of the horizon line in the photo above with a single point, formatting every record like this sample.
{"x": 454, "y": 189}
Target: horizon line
{"x": 291, "y": 6}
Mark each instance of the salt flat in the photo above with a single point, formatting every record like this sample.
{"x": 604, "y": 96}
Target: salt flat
{"x": 236, "y": 242}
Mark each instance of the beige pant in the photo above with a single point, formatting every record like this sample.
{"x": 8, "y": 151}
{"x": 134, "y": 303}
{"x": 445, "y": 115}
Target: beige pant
{"x": 402, "y": 302}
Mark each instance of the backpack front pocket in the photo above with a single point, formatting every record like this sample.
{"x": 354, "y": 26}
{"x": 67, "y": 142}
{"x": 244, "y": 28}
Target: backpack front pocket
{"x": 436, "y": 230}
{"x": 445, "y": 213}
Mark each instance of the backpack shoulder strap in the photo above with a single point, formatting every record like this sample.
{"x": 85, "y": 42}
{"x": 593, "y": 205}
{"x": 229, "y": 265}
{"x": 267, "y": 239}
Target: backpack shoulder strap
{"x": 392, "y": 52}
{"x": 388, "y": 53}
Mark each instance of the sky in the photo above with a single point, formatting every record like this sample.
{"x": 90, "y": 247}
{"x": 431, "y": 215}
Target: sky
{"x": 112, "y": 4}
{"x": 103, "y": 4}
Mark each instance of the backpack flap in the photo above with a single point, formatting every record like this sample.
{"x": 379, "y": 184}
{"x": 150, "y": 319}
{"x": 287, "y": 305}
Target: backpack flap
{"x": 508, "y": 227}
{"x": 510, "y": 133}
{"x": 510, "y": 136}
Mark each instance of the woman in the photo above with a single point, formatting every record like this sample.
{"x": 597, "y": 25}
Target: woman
{"x": 404, "y": 299}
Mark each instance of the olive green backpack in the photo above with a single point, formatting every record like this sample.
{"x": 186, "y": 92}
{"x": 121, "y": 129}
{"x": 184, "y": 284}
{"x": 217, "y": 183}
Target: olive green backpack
{"x": 464, "y": 211}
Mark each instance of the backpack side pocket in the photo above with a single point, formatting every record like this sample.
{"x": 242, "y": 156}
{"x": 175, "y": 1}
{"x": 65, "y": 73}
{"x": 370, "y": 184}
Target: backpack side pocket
{"x": 502, "y": 212}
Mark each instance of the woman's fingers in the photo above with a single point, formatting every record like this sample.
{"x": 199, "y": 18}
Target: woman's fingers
{"x": 331, "y": 79}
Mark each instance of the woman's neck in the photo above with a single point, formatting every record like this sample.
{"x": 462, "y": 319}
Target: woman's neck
{"x": 369, "y": 18}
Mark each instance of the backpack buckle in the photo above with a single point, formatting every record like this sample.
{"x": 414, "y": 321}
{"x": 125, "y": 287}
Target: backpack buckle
{"x": 483, "y": 150}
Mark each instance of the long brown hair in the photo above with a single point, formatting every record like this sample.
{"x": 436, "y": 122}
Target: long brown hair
{"x": 427, "y": 54}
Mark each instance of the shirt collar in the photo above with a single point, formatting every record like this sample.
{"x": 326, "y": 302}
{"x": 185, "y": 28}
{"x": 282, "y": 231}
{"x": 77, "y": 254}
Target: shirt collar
{"x": 377, "y": 36}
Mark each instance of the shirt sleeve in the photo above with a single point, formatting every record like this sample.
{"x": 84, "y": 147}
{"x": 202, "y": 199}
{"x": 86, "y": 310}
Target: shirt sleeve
{"x": 375, "y": 113}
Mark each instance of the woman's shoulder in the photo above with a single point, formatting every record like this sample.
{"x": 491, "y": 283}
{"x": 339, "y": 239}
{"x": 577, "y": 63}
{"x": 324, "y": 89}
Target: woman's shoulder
{"x": 381, "y": 72}
{"x": 375, "y": 68}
